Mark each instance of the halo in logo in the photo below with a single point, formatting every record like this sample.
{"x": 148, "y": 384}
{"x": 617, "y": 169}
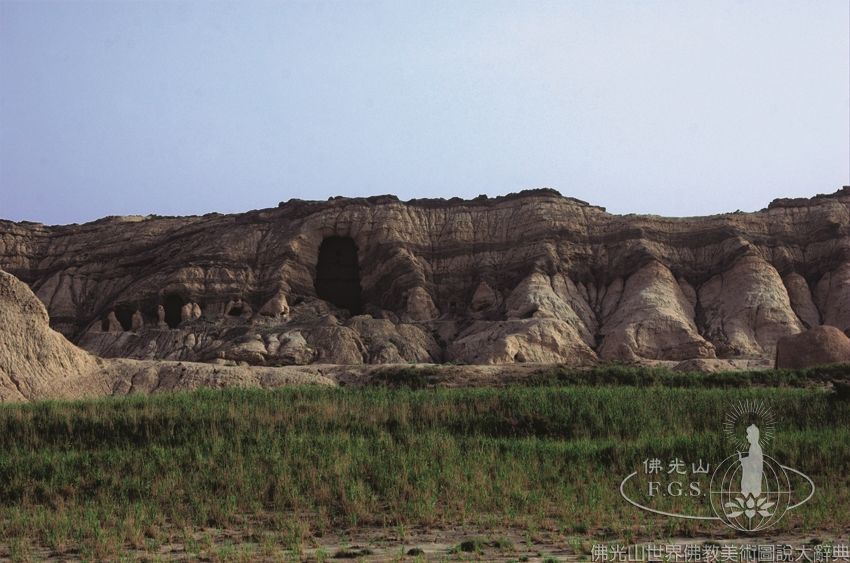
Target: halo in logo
{"x": 743, "y": 414}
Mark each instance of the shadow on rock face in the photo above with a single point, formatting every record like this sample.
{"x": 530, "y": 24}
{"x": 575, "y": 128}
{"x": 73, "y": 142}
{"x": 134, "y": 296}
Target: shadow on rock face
{"x": 173, "y": 304}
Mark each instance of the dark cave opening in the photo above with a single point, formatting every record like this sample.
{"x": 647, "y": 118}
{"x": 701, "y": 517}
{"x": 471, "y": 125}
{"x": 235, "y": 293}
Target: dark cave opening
{"x": 338, "y": 274}
{"x": 173, "y": 304}
{"x": 124, "y": 313}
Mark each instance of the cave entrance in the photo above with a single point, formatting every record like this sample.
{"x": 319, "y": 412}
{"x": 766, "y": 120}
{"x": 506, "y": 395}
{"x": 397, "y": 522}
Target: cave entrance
{"x": 338, "y": 273}
{"x": 124, "y": 313}
{"x": 173, "y": 304}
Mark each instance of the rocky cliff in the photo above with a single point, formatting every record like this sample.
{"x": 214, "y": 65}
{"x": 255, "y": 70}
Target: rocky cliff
{"x": 39, "y": 363}
{"x": 529, "y": 277}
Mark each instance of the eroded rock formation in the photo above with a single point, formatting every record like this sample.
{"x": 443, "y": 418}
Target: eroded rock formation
{"x": 529, "y": 277}
{"x": 37, "y": 362}
{"x": 818, "y": 346}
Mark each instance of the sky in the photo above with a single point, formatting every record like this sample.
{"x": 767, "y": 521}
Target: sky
{"x": 668, "y": 107}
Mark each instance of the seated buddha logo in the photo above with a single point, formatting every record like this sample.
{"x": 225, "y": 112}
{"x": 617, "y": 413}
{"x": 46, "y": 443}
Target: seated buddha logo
{"x": 749, "y": 490}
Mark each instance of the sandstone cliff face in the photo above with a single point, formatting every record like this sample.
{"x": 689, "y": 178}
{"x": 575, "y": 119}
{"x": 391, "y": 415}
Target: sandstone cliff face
{"x": 34, "y": 360}
{"x": 530, "y": 277}
{"x": 39, "y": 363}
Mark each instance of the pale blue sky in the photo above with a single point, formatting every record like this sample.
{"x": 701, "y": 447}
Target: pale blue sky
{"x": 676, "y": 107}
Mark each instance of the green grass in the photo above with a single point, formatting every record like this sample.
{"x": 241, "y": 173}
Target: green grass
{"x": 643, "y": 376}
{"x": 103, "y": 476}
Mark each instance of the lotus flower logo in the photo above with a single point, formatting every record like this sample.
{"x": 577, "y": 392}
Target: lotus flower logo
{"x": 746, "y": 510}
{"x": 749, "y": 506}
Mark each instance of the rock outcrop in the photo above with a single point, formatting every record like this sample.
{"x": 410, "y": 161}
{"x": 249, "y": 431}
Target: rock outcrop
{"x": 37, "y": 362}
{"x": 653, "y": 318}
{"x": 747, "y": 308}
{"x": 528, "y": 277}
{"x": 818, "y": 346}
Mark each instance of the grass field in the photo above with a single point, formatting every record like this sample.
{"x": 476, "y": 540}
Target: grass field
{"x": 97, "y": 478}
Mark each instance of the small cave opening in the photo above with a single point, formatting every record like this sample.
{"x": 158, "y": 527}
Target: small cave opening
{"x": 338, "y": 274}
{"x": 173, "y": 303}
{"x": 124, "y": 313}
{"x": 235, "y": 311}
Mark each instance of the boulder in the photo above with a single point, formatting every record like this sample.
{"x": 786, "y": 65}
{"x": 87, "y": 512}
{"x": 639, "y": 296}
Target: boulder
{"x": 817, "y": 346}
{"x": 293, "y": 349}
{"x": 276, "y": 306}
